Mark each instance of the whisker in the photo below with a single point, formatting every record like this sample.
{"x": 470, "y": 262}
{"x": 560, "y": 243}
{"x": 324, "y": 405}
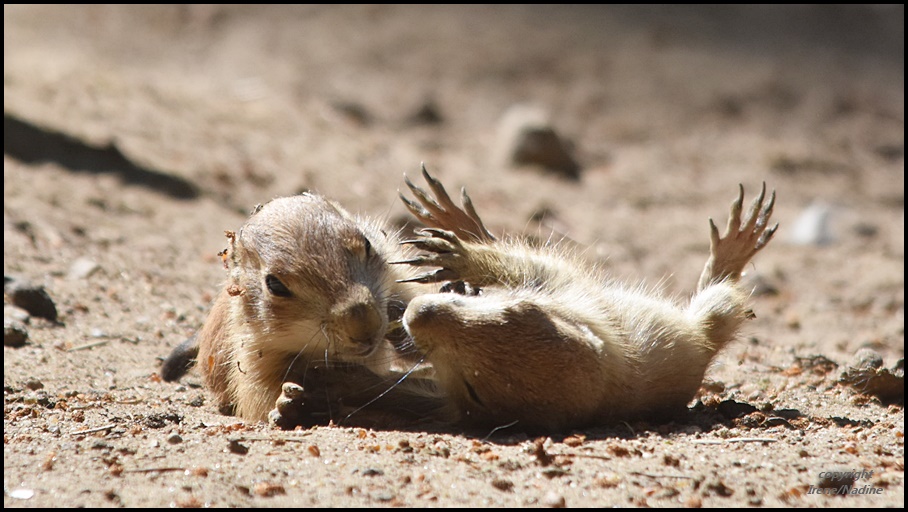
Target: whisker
{"x": 496, "y": 429}
{"x": 296, "y": 358}
{"x": 385, "y": 392}
{"x": 329, "y": 340}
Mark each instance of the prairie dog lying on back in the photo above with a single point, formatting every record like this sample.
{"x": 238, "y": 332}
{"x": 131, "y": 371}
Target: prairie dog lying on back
{"x": 550, "y": 341}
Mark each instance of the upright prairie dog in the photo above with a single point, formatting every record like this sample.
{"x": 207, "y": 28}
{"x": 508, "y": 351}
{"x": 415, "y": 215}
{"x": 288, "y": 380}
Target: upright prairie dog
{"x": 550, "y": 341}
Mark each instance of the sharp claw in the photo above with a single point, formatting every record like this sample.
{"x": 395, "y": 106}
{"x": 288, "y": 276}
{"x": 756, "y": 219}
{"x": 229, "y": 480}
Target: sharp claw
{"x": 471, "y": 212}
{"x": 408, "y": 182}
{"x": 440, "y": 233}
{"x": 415, "y": 209}
{"x": 734, "y": 218}
{"x": 434, "y": 183}
{"x": 713, "y": 233}
{"x": 435, "y": 245}
{"x": 765, "y": 213}
{"x": 435, "y": 276}
{"x": 412, "y": 261}
{"x": 423, "y": 197}
{"x": 766, "y": 237}
{"x": 753, "y": 213}
{"x": 767, "y": 208}
{"x": 418, "y": 242}
{"x": 441, "y": 194}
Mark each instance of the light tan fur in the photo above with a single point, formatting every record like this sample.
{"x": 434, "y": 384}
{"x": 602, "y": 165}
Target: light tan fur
{"x": 537, "y": 335}
{"x": 551, "y": 341}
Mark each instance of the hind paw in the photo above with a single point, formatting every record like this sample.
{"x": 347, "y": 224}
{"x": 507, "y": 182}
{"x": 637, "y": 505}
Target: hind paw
{"x": 730, "y": 252}
{"x": 441, "y": 212}
{"x": 443, "y": 249}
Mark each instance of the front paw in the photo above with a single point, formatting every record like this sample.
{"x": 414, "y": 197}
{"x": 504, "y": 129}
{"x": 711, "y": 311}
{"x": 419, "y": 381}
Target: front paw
{"x": 288, "y": 411}
{"x": 445, "y": 250}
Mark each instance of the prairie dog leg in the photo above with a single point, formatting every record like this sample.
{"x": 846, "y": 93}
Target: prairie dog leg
{"x": 349, "y": 394}
{"x": 452, "y": 239}
{"x": 720, "y": 306}
{"x": 441, "y": 212}
{"x": 729, "y": 254}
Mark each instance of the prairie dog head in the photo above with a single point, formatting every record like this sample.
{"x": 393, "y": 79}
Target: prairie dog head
{"x": 312, "y": 279}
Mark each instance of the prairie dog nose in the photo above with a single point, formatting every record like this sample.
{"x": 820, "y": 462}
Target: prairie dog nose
{"x": 358, "y": 316}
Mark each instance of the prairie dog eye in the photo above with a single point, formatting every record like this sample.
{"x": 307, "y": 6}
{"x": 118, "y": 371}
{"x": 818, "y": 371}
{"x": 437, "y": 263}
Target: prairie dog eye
{"x": 276, "y": 287}
{"x": 368, "y": 246}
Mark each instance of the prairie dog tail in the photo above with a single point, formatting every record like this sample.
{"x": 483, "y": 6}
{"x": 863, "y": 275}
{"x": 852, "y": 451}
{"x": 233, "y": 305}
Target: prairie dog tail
{"x": 719, "y": 310}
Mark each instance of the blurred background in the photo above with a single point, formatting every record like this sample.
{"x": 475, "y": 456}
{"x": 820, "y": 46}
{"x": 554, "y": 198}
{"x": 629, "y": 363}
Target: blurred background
{"x": 134, "y": 136}
{"x": 620, "y": 129}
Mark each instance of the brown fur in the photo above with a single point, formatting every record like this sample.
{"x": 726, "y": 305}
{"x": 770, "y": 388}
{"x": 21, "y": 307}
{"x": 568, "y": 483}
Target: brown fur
{"x": 333, "y": 286}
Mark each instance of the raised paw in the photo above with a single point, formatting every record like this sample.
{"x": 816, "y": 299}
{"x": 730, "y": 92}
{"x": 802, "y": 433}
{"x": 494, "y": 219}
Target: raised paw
{"x": 731, "y": 252}
{"x": 441, "y": 212}
{"x": 444, "y": 249}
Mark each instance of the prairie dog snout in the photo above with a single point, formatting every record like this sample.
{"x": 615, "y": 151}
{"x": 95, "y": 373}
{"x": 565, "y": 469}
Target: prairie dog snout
{"x": 358, "y": 318}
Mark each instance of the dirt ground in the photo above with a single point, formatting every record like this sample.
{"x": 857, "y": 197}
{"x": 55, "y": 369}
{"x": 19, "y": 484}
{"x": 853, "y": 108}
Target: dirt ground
{"x": 133, "y": 137}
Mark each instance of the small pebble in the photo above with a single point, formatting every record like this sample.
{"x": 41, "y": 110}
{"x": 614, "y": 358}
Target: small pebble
{"x": 427, "y": 113}
{"x": 384, "y": 496}
{"x": 866, "y": 359}
{"x": 16, "y": 313}
{"x": 31, "y": 298}
{"x": 82, "y": 268}
{"x": 835, "y": 479}
{"x": 526, "y": 137}
{"x": 21, "y": 494}
{"x": 174, "y": 438}
{"x": 502, "y": 484}
{"x": 812, "y": 226}
{"x": 236, "y": 447}
{"x": 15, "y": 333}
{"x": 554, "y": 500}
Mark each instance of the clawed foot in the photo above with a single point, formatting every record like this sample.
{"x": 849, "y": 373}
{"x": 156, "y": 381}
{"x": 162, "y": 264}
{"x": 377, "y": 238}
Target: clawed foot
{"x": 445, "y": 250}
{"x": 441, "y": 212}
{"x": 742, "y": 239}
{"x": 289, "y": 408}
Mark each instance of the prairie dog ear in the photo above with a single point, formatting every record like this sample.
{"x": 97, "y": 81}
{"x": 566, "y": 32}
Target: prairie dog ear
{"x": 214, "y": 348}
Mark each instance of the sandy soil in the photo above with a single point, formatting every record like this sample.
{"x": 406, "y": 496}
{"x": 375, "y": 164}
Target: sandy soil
{"x": 133, "y": 137}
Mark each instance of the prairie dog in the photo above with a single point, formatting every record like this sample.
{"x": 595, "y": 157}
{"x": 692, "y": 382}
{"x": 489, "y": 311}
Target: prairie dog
{"x": 551, "y": 342}
{"x": 308, "y": 296}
